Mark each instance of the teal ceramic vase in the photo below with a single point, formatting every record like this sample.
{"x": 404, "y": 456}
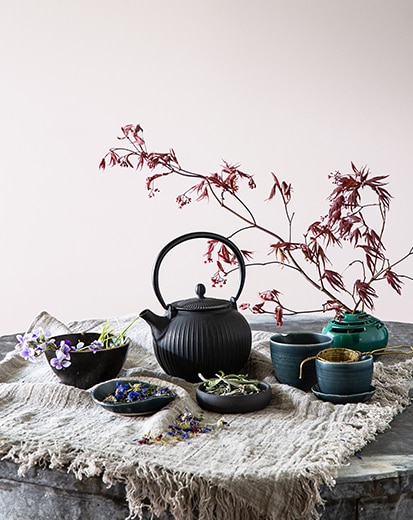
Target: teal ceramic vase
{"x": 359, "y": 331}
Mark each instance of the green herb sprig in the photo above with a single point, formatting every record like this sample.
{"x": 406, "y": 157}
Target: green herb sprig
{"x": 230, "y": 384}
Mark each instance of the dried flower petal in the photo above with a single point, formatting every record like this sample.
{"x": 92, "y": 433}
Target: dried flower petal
{"x": 186, "y": 427}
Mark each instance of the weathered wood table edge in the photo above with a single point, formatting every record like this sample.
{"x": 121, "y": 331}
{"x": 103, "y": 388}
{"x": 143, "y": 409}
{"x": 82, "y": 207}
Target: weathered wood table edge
{"x": 377, "y": 483}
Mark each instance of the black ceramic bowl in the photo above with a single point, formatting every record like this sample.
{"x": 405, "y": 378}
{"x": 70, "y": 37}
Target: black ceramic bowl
{"x": 234, "y": 403}
{"x": 87, "y": 368}
{"x": 144, "y": 407}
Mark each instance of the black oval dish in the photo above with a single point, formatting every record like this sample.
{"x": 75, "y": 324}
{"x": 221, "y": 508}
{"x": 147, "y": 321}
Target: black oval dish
{"x": 234, "y": 403}
{"x": 143, "y": 407}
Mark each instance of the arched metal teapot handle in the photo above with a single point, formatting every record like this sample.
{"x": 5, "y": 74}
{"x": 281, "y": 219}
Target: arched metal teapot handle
{"x": 190, "y": 236}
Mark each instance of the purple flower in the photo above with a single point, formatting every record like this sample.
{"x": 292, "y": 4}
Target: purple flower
{"x": 32, "y": 344}
{"x": 79, "y": 345}
{"x": 27, "y": 352}
{"x": 22, "y": 341}
{"x": 64, "y": 348}
{"x": 41, "y": 346}
{"x": 25, "y": 346}
{"x": 95, "y": 346}
{"x": 39, "y": 333}
{"x": 60, "y": 361}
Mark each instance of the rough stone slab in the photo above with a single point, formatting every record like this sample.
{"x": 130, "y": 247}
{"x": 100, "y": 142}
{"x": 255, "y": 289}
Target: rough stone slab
{"x": 44, "y": 494}
{"x": 47, "y": 491}
{"x": 378, "y": 467}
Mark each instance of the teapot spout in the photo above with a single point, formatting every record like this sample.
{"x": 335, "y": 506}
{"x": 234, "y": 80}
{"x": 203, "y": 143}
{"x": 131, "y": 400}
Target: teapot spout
{"x": 159, "y": 324}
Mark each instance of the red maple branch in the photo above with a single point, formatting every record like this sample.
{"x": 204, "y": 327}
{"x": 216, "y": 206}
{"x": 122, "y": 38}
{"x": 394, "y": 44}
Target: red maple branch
{"x": 344, "y": 222}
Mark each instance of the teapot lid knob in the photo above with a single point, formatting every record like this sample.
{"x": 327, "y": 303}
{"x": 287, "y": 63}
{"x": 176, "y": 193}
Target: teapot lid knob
{"x": 200, "y": 290}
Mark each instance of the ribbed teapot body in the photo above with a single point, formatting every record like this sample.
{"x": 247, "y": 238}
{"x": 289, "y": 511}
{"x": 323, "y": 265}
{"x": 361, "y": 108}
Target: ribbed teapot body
{"x": 200, "y": 335}
{"x": 204, "y": 342}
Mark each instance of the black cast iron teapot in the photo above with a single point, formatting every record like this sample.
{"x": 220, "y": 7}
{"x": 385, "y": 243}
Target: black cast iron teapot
{"x": 199, "y": 335}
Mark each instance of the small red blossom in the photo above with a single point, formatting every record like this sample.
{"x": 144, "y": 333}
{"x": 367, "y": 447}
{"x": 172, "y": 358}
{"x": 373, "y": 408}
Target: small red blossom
{"x": 123, "y": 161}
{"x": 270, "y": 295}
{"x": 183, "y": 200}
{"x": 211, "y": 247}
{"x": 251, "y": 183}
{"x": 258, "y": 308}
{"x": 131, "y": 132}
{"x": 218, "y": 279}
{"x": 150, "y": 182}
{"x": 279, "y": 314}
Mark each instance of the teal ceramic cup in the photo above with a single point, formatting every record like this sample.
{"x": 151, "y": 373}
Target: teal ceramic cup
{"x": 344, "y": 377}
{"x": 289, "y": 350}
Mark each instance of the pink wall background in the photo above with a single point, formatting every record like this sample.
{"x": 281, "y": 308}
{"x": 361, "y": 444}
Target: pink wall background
{"x": 298, "y": 88}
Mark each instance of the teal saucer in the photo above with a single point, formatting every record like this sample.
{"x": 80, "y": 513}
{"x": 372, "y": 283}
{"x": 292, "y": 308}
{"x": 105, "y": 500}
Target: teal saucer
{"x": 343, "y": 399}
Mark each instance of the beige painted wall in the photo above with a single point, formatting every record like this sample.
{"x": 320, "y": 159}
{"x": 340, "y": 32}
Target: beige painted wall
{"x": 297, "y": 87}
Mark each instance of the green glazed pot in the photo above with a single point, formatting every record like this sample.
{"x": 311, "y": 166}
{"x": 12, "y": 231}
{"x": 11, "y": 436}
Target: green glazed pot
{"x": 359, "y": 331}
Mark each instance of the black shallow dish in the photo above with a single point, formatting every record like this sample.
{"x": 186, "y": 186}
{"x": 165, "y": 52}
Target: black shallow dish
{"x": 234, "y": 403}
{"x": 145, "y": 407}
{"x": 343, "y": 399}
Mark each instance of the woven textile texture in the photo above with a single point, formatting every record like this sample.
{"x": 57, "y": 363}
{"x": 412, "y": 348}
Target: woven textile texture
{"x": 267, "y": 465}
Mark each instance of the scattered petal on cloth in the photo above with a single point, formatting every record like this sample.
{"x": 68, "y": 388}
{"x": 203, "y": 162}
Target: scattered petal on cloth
{"x": 267, "y": 465}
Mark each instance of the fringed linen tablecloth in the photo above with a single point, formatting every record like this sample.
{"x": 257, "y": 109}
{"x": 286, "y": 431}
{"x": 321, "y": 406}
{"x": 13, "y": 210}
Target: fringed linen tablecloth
{"x": 267, "y": 465}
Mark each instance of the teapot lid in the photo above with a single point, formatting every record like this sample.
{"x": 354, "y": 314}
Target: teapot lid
{"x": 201, "y": 303}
